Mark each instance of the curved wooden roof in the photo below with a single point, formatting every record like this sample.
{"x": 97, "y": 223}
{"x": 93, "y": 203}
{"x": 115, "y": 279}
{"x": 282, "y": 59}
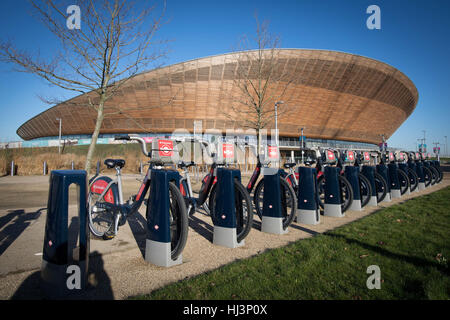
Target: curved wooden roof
{"x": 335, "y": 95}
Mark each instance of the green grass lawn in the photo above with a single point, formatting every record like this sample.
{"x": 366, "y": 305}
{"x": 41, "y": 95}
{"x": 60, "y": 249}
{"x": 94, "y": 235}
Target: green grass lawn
{"x": 409, "y": 242}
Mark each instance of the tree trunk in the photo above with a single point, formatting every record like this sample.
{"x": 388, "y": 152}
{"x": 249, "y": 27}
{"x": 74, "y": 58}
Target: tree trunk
{"x": 95, "y": 134}
{"x": 258, "y": 143}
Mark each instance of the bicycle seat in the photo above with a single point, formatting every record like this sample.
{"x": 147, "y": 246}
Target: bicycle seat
{"x": 112, "y": 163}
{"x": 183, "y": 164}
{"x": 288, "y": 165}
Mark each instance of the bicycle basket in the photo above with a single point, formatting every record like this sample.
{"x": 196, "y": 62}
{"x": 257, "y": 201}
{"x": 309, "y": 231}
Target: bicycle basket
{"x": 350, "y": 157}
{"x": 269, "y": 154}
{"x": 366, "y": 157}
{"x": 391, "y": 156}
{"x": 225, "y": 153}
{"x": 330, "y": 157}
{"x": 164, "y": 151}
{"x": 402, "y": 156}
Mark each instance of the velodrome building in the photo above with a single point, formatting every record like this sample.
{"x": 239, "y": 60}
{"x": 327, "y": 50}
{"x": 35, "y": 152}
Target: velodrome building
{"x": 340, "y": 99}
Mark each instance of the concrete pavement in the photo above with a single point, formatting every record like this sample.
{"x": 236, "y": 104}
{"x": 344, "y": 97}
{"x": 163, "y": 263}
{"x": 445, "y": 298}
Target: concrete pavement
{"x": 23, "y": 202}
{"x": 117, "y": 267}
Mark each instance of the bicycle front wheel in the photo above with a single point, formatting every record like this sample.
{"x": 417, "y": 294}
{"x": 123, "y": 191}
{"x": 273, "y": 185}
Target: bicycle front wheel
{"x": 101, "y": 219}
{"x": 404, "y": 181}
{"x": 345, "y": 188}
{"x": 428, "y": 177}
{"x": 413, "y": 179}
{"x": 434, "y": 174}
{"x": 440, "y": 172}
{"x": 243, "y": 209}
{"x": 365, "y": 190}
{"x": 346, "y": 193}
{"x": 381, "y": 187}
{"x": 178, "y": 221}
{"x": 288, "y": 201}
{"x": 205, "y": 205}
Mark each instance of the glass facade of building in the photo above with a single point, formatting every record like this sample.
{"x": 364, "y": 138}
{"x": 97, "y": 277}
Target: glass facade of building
{"x": 284, "y": 142}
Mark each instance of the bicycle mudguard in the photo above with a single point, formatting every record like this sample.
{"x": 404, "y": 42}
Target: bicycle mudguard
{"x": 183, "y": 188}
{"x": 203, "y": 193}
{"x": 205, "y": 180}
{"x": 253, "y": 179}
{"x": 99, "y": 185}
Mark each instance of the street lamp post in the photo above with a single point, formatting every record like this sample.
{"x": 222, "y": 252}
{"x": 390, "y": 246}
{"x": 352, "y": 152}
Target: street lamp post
{"x": 436, "y": 149}
{"x": 59, "y": 141}
{"x": 446, "y": 151}
{"x": 276, "y": 121}
{"x": 302, "y": 147}
{"x": 303, "y": 143}
{"x": 424, "y": 142}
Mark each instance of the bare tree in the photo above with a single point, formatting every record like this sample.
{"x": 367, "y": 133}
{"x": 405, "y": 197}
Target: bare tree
{"x": 260, "y": 81}
{"x": 116, "y": 40}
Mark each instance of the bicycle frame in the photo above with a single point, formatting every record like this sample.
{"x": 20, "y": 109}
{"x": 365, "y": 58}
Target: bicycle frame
{"x": 293, "y": 177}
{"x": 257, "y": 172}
{"x": 209, "y": 181}
{"x": 113, "y": 192}
{"x": 122, "y": 209}
{"x": 255, "y": 175}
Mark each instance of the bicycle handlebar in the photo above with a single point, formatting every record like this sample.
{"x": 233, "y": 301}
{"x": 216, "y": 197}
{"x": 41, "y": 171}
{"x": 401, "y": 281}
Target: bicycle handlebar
{"x": 138, "y": 139}
{"x": 124, "y": 137}
{"x": 204, "y": 144}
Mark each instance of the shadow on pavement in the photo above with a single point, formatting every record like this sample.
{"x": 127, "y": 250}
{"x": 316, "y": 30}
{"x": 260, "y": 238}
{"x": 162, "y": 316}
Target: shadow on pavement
{"x": 98, "y": 288}
{"x": 257, "y": 224}
{"x": 138, "y": 226}
{"x": 201, "y": 227}
{"x": 13, "y": 224}
{"x": 296, "y": 226}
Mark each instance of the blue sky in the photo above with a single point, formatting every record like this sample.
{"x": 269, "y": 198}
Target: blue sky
{"x": 414, "y": 38}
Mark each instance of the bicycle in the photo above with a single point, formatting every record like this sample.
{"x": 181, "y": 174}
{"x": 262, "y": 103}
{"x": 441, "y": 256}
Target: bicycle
{"x": 321, "y": 160}
{"x": 428, "y": 164}
{"x": 381, "y": 184}
{"x": 412, "y": 166}
{"x": 108, "y": 211}
{"x": 292, "y": 177}
{"x": 365, "y": 158}
{"x": 403, "y": 177}
{"x": 404, "y": 157}
{"x": 349, "y": 157}
{"x": 243, "y": 203}
{"x": 427, "y": 174}
{"x": 288, "y": 195}
{"x": 436, "y": 165}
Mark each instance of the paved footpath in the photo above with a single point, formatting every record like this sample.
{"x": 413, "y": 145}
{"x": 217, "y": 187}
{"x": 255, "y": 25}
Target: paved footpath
{"x": 117, "y": 269}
